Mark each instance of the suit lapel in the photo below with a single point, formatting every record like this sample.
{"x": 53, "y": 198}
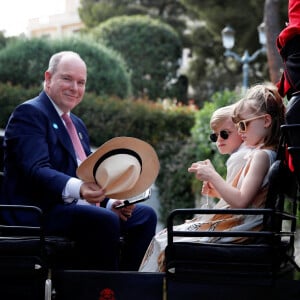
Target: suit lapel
{"x": 57, "y": 124}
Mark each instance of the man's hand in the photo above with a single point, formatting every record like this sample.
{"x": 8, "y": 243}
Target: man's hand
{"x": 92, "y": 192}
{"x": 125, "y": 212}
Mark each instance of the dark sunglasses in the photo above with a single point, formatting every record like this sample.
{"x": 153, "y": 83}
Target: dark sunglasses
{"x": 223, "y": 134}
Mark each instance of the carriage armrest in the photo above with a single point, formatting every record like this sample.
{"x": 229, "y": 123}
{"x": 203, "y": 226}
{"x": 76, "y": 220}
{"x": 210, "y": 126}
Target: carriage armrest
{"x": 17, "y": 241}
{"x": 263, "y": 254}
{"x": 188, "y": 211}
{"x": 8, "y": 230}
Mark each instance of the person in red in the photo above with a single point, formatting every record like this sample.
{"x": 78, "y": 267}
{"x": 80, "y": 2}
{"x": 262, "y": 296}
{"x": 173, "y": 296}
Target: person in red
{"x": 288, "y": 45}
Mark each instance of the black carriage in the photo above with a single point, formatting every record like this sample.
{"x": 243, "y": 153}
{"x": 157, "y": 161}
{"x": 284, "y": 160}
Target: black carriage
{"x": 35, "y": 266}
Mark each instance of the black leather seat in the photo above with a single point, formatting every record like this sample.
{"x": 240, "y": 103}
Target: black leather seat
{"x": 27, "y": 256}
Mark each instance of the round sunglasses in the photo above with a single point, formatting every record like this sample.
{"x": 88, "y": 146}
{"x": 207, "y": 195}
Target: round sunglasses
{"x": 224, "y": 134}
{"x": 242, "y": 125}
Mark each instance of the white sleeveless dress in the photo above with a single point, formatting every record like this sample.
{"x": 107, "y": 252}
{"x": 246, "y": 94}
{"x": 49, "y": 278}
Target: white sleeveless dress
{"x": 153, "y": 260}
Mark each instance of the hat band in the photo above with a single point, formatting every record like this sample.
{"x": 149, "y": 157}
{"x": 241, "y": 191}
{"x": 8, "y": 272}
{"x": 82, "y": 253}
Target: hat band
{"x": 114, "y": 152}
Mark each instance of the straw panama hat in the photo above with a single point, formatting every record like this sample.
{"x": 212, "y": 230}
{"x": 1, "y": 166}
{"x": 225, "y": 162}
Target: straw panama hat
{"x": 123, "y": 166}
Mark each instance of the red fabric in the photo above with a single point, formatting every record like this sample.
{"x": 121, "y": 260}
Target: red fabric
{"x": 291, "y": 30}
{"x": 283, "y": 85}
{"x": 289, "y": 159}
{"x": 293, "y": 27}
{"x": 291, "y": 166}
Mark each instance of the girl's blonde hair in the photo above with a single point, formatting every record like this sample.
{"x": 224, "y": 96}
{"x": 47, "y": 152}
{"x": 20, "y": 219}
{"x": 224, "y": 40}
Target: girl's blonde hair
{"x": 263, "y": 99}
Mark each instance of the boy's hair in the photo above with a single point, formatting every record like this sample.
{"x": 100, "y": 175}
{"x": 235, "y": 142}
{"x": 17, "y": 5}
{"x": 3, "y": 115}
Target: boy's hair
{"x": 220, "y": 115}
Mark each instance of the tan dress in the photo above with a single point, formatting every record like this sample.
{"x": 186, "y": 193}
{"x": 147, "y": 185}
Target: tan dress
{"x": 154, "y": 257}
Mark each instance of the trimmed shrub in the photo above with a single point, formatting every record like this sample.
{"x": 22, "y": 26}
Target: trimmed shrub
{"x": 151, "y": 49}
{"x": 24, "y": 62}
{"x": 11, "y": 96}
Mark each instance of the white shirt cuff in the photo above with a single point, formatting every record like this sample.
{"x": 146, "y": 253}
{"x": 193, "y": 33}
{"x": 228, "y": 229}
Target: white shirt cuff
{"x": 71, "y": 191}
{"x": 109, "y": 203}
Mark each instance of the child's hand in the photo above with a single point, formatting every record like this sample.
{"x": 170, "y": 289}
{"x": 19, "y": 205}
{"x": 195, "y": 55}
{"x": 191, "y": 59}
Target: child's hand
{"x": 208, "y": 189}
{"x": 204, "y": 170}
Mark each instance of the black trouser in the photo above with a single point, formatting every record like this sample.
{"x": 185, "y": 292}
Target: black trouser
{"x": 293, "y": 133}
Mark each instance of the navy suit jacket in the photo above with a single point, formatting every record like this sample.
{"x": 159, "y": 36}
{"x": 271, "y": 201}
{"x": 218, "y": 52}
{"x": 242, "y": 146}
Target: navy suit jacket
{"x": 39, "y": 157}
{"x": 39, "y": 160}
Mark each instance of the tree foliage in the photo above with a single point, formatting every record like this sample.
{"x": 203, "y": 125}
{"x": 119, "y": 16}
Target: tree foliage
{"x": 150, "y": 48}
{"x": 11, "y": 96}
{"x": 210, "y": 71}
{"x": 94, "y": 12}
{"x": 24, "y": 62}
{"x": 199, "y": 24}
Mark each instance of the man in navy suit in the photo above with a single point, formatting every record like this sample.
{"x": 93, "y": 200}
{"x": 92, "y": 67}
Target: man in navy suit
{"x": 40, "y": 169}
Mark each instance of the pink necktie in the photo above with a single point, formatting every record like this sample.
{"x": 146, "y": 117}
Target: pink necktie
{"x": 74, "y": 137}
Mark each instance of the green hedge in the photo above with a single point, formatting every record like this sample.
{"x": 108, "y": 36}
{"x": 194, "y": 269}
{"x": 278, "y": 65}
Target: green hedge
{"x": 108, "y": 117}
{"x": 11, "y": 96}
{"x": 167, "y": 130}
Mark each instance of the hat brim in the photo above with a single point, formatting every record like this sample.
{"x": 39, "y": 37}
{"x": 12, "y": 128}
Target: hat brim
{"x": 150, "y": 164}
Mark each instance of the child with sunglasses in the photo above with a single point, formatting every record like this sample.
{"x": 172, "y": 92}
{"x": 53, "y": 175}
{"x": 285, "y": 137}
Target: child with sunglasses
{"x": 228, "y": 141}
{"x": 262, "y": 105}
{"x": 258, "y": 118}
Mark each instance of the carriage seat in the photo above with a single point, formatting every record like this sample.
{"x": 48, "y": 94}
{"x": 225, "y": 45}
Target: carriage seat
{"x": 268, "y": 254}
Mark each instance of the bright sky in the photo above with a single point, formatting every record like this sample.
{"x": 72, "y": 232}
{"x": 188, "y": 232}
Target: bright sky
{"x": 14, "y": 14}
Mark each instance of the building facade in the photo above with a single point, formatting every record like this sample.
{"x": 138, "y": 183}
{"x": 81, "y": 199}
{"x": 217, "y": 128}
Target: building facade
{"x": 64, "y": 24}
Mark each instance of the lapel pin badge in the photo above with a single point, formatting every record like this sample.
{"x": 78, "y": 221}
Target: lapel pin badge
{"x": 55, "y": 126}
